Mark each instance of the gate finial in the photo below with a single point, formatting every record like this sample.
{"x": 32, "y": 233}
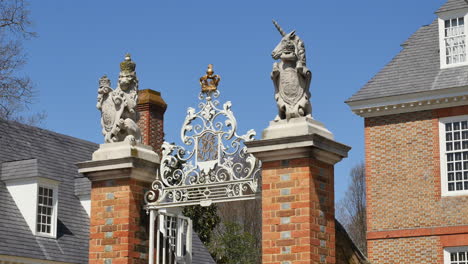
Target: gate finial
{"x": 209, "y": 82}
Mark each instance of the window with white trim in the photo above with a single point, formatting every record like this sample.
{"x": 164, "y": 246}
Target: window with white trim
{"x": 454, "y": 155}
{"x": 452, "y": 39}
{"x": 46, "y": 210}
{"x": 456, "y": 255}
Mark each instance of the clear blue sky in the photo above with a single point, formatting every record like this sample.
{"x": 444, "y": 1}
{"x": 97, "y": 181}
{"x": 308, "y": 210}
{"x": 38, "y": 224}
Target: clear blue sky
{"x": 172, "y": 42}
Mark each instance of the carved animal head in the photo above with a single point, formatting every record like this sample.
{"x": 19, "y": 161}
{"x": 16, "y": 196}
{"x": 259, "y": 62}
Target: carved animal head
{"x": 127, "y": 78}
{"x": 290, "y": 48}
{"x": 127, "y": 81}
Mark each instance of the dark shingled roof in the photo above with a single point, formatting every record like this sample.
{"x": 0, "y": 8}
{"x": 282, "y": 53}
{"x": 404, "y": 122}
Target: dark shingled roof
{"x": 33, "y": 151}
{"x": 416, "y": 68}
{"x": 19, "y": 169}
{"x": 27, "y": 151}
{"x": 453, "y": 4}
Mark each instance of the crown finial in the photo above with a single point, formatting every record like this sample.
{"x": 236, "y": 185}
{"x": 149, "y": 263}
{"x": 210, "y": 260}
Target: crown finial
{"x": 209, "y": 82}
{"x": 127, "y": 66}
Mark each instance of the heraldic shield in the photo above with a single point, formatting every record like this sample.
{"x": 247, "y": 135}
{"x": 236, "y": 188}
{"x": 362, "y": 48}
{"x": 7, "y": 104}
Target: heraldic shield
{"x": 290, "y": 88}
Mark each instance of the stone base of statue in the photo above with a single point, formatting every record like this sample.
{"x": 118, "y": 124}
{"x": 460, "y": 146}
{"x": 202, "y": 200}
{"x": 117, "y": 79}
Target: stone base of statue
{"x": 111, "y": 158}
{"x": 295, "y": 127}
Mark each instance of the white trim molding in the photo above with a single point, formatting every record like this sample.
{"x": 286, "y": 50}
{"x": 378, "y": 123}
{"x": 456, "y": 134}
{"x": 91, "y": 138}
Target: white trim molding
{"x": 389, "y": 105}
{"x": 453, "y": 169}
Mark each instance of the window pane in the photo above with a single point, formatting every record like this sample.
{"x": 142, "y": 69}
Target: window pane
{"x": 450, "y": 177}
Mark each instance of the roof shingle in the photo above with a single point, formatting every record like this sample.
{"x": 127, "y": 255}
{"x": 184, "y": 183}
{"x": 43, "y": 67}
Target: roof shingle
{"x": 416, "y": 68}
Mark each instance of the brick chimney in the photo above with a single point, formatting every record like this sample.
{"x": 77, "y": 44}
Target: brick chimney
{"x": 151, "y": 107}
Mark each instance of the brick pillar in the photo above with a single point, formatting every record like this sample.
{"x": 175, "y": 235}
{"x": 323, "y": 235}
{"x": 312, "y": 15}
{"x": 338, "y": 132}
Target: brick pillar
{"x": 151, "y": 108}
{"x": 120, "y": 175}
{"x": 298, "y": 220}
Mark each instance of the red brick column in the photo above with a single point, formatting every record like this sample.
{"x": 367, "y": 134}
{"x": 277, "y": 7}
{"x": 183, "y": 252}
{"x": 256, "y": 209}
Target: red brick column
{"x": 151, "y": 108}
{"x": 298, "y": 211}
{"x": 117, "y": 235}
{"x": 298, "y": 220}
{"x": 120, "y": 175}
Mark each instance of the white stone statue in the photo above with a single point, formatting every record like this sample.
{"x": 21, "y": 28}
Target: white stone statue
{"x": 291, "y": 77}
{"x": 118, "y": 113}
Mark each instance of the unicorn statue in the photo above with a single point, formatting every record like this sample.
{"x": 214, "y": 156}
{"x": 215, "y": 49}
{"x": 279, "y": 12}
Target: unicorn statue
{"x": 291, "y": 77}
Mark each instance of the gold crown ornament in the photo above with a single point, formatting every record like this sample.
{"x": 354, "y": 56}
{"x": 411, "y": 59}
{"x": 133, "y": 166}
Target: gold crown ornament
{"x": 127, "y": 66}
{"x": 209, "y": 82}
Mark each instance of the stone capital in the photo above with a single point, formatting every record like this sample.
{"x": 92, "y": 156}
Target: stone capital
{"x": 302, "y": 146}
{"x": 121, "y": 160}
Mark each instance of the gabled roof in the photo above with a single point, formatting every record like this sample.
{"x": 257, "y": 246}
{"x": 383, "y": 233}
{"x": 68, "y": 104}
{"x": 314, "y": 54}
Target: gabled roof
{"x": 37, "y": 151}
{"x": 416, "y": 68}
{"x": 453, "y": 4}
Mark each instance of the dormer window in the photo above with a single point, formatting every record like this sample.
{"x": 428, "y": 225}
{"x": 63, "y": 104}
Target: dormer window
{"x": 35, "y": 196}
{"x": 454, "y": 39}
{"x": 452, "y": 32}
{"x": 46, "y": 202}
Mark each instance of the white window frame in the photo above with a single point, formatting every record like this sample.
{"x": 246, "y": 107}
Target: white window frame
{"x": 443, "y": 156}
{"x": 445, "y": 16}
{"x": 53, "y": 227}
{"x": 449, "y": 250}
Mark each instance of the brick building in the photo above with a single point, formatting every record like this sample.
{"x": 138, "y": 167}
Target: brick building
{"x": 416, "y": 146}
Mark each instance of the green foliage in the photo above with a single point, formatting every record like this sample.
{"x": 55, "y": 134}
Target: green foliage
{"x": 234, "y": 246}
{"x": 205, "y": 219}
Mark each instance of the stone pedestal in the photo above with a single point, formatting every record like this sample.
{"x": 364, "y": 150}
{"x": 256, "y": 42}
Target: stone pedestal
{"x": 120, "y": 175}
{"x": 298, "y": 219}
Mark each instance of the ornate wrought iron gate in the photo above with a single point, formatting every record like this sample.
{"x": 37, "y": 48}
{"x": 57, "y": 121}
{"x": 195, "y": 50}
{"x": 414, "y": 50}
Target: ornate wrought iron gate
{"x": 215, "y": 168}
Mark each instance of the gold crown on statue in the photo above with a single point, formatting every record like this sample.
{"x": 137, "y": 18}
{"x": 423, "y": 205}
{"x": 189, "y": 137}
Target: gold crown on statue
{"x": 127, "y": 65}
{"x": 209, "y": 82}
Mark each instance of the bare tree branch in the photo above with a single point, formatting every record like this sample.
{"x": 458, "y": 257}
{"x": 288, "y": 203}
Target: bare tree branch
{"x": 351, "y": 210}
{"x": 16, "y": 89}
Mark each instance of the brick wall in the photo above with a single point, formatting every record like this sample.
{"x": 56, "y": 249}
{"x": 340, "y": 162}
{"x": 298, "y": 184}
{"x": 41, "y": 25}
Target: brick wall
{"x": 151, "y": 108}
{"x": 117, "y": 227}
{"x": 403, "y": 184}
{"x": 406, "y": 250}
{"x": 298, "y": 212}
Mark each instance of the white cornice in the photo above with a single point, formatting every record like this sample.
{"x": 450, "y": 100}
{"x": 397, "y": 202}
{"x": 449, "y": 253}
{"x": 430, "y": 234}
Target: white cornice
{"x": 434, "y": 99}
